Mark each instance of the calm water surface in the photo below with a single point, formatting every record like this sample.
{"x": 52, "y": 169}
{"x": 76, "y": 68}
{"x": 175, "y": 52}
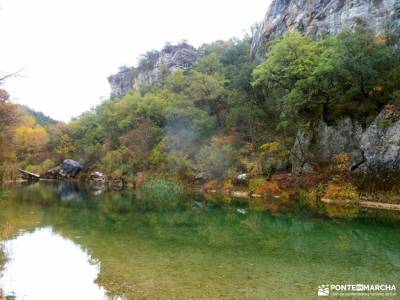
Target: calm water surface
{"x": 59, "y": 241}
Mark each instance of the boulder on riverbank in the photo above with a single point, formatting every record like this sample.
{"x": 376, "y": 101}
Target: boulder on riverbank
{"x": 380, "y": 143}
{"x": 97, "y": 182}
{"x": 242, "y": 179}
{"x": 97, "y": 178}
{"x": 116, "y": 183}
{"x": 70, "y": 168}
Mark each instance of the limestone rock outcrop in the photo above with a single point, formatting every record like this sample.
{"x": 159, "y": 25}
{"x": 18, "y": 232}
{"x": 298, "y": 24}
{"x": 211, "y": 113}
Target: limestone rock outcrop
{"x": 380, "y": 143}
{"x": 319, "y": 17}
{"x": 170, "y": 59}
{"x": 374, "y": 149}
{"x": 121, "y": 82}
{"x": 317, "y": 146}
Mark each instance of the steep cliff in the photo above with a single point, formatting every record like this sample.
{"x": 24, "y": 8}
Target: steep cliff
{"x": 121, "y": 82}
{"x": 319, "y": 17}
{"x": 370, "y": 151}
{"x": 171, "y": 58}
{"x": 317, "y": 146}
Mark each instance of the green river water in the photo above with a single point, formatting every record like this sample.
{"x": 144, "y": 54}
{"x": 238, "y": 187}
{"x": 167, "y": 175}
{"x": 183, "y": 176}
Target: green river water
{"x": 59, "y": 241}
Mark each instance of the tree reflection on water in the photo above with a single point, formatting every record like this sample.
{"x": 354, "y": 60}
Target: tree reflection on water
{"x": 150, "y": 246}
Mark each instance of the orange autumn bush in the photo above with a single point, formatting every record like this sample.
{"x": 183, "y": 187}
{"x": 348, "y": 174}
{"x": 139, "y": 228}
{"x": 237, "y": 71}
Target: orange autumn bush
{"x": 341, "y": 162}
{"x": 341, "y": 192}
{"x": 268, "y": 187}
{"x": 211, "y": 185}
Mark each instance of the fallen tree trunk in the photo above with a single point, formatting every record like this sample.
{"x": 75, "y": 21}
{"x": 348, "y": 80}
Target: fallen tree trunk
{"x": 380, "y": 205}
{"x": 362, "y": 203}
{"x": 29, "y": 176}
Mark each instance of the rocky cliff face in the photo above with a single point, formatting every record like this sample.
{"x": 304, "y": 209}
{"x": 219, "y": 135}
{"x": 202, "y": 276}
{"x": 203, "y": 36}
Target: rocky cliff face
{"x": 318, "y": 17}
{"x": 170, "y": 59}
{"x": 316, "y": 147}
{"x": 121, "y": 82}
{"x": 380, "y": 143}
{"x": 375, "y": 149}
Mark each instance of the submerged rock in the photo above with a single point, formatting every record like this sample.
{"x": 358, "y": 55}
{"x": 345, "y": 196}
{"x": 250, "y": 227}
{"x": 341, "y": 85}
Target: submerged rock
{"x": 70, "y": 168}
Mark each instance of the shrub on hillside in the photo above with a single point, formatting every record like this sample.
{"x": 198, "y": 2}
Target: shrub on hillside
{"x": 341, "y": 192}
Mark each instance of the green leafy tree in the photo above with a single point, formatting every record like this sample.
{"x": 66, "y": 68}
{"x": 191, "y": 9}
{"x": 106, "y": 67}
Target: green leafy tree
{"x": 291, "y": 61}
{"x": 209, "y": 93}
{"x": 354, "y": 74}
{"x": 66, "y": 147}
{"x": 148, "y": 60}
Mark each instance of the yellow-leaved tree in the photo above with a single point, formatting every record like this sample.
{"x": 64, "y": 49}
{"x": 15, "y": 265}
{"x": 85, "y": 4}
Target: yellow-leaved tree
{"x": 31, "y": 139}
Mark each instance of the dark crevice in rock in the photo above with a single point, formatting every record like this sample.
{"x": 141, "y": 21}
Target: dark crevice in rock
{"x": 357, "y": 165}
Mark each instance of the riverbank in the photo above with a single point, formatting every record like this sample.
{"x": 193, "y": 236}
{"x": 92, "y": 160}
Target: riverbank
{"x": 324, "y": 198}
